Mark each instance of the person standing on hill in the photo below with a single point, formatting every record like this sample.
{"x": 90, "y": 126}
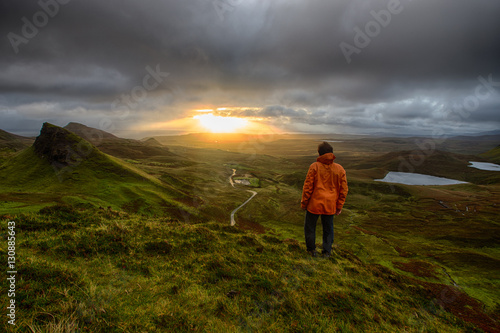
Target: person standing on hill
{"x": 324, "y": 193}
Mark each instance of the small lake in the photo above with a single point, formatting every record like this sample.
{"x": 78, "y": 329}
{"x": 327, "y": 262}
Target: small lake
{"x": 485, "y": 166}
{"x": 417, "y": 179}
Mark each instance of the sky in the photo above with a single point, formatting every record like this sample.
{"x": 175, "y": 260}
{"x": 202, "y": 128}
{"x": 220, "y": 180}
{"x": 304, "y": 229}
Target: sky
{"x": 153, "y": 67}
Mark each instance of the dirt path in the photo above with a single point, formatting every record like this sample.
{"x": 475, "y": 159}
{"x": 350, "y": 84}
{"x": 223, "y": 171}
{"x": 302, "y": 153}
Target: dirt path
{"x": 233, "y": 222}
{"x": 231, "y": 181}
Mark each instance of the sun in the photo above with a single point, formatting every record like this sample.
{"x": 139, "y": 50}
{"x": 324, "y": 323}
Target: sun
{"x": 219, "y": 124}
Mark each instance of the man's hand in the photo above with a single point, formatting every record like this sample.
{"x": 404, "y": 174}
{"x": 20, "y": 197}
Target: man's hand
{"x": 338, "y": 212}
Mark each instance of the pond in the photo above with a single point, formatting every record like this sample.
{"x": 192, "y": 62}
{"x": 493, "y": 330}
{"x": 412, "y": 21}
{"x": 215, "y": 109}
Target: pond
{"x": 417, "y": 179}
{"x": 485, "y": 166}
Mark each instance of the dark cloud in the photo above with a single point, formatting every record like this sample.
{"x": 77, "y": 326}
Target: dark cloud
{"x": 281, "y": 59}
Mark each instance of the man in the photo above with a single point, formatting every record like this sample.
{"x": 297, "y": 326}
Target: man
{"x": 323, "y": 194}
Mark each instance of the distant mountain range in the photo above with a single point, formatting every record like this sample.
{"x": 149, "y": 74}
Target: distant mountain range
{"x": 119, "y": 147}
{"x": 156, "y": 147}
{"x": 403, "y": 135}
{"x": 106, "y": 142}
{"x": 489, "y": 133}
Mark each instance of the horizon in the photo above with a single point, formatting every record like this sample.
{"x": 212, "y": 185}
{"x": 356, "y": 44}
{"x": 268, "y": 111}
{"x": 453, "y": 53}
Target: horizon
{"x": 351, "y": 67}
{"x": 127, "y": 134}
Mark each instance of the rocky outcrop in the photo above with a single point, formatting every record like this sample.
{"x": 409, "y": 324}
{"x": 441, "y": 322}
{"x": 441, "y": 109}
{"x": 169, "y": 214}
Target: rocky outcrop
{"x": 60, "y": 147}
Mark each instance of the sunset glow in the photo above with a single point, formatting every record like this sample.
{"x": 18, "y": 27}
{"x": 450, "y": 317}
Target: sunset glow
{"x": 219, "y": 124}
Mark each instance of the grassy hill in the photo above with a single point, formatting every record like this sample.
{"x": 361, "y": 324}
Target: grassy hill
{"x": 14, "y": 142}
{"x": 11, "y": 143}
{"x": 152, "y": 142}
{"x": 106, "y": 273}
{"x": 470, "y": 144}
{"x": 63, "y": 168}
{"x": 493, "y": 155}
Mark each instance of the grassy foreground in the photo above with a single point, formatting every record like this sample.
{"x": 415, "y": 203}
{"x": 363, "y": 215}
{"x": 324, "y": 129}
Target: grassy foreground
{"x": 104, "y": 271}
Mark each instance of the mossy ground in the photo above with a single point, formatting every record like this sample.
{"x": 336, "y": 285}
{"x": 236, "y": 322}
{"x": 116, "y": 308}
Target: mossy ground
{"x": 102, "y": 271}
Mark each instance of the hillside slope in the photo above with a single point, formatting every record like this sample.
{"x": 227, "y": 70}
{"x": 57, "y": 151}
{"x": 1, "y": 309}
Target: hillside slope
{"x": 62, "y": 167}
{"x": 130, "y": 274}
{"x": 152, "y": 142}
{"x": 493, "y": 155}
{"x": 13, "y": 142}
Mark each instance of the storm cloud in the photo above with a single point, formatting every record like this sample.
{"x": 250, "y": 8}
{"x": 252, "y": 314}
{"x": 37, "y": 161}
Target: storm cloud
{"x": 304, "y": 66}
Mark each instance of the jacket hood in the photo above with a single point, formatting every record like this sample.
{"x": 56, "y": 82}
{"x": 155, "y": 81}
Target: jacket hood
{"x": 326, "y": 158}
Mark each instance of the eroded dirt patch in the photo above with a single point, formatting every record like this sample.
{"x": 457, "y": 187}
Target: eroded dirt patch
{"x": 462, "y": 306}
{"x": 250, "y": 225}
{"x": 417, "y": 268}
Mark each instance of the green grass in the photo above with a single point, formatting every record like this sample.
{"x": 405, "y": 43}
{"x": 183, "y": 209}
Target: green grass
{"x": 493, "y": 155}
{"x": 100, "y": 180}
{"x": 10, "y": 142}
{"x": 97, "y": 271}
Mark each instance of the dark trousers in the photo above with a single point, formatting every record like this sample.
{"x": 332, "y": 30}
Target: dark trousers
{"x": 310, "y": 231}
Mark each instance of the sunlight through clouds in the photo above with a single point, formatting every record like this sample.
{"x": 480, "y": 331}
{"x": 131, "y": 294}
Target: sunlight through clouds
{"x": 218, "y": 124}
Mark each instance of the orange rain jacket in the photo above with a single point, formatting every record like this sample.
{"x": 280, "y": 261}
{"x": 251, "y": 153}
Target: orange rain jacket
{"x": 325, "y": 187}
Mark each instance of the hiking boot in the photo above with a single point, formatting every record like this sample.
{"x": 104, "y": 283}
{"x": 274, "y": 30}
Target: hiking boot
{"x": 326, "y": 255}
{"x": 312, "y": 253}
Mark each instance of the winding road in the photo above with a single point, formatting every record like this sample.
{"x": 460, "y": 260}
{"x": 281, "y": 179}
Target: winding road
{"x": 233, "y": 222}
